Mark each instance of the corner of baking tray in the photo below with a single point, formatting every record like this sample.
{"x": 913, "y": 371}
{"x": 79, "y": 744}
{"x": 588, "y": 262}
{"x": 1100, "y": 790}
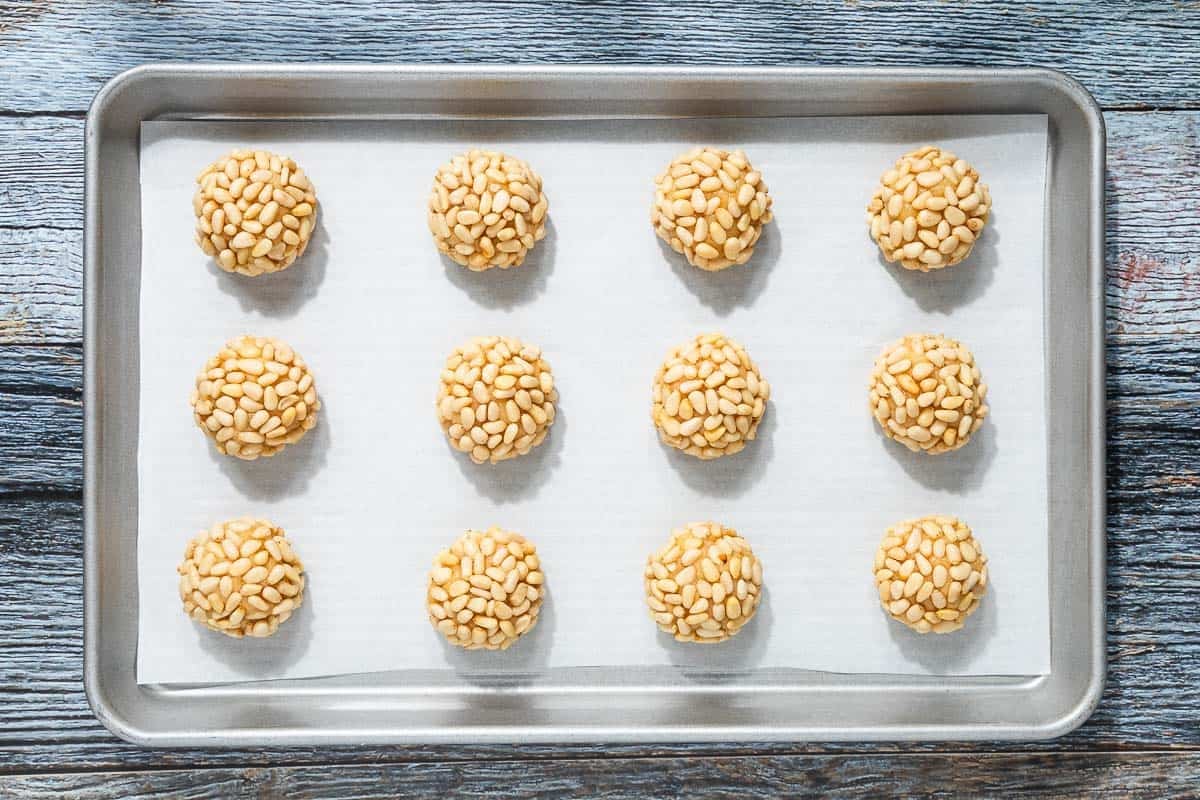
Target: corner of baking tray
{"x": 1082, "y": 710}
{"x": 113, "y": 721}
{"x": 1077, "y": 94}
{"x": 120, "y": 84}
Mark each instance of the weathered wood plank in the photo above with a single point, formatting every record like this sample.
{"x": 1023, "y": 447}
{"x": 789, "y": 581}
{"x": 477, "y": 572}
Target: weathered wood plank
{"x": 1152, "y": 698}
{"x": 41, "y": 419}
{"x": 52, "y": 371}
{"x": 41, "y": 285}
{"x": 54, "y": 56}
{"x": 1153, "y": 196}
{"x": 42, "y": 443}
{"x": 1154, "y": 456}
{"x": 1153, "y": 268}
{"x": 57, "y": 55}
{"x": 1068, "y": 775}
{"x": 41, "y": 174}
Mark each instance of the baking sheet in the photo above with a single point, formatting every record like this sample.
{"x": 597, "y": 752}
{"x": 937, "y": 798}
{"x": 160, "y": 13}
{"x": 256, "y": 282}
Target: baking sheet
{"x": 374, "y": 491}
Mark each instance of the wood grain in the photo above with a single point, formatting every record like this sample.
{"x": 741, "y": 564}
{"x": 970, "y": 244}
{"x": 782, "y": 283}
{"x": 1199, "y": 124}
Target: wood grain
{"x": 52, "y": 371}
{"x": 1053, "y": 775}
{"x": 51, "y": 60}
{"x": 1153, "y": 197}
{"x": 1152, "y": 261}
{"x": 41, "y": 285}
{"x": 1152, "y": 698}
{"x": 42, "y": 443}
{"x": 1150, "y": 385}
{"x": 41, "y": 174}
{"x": 1145, "y": 737}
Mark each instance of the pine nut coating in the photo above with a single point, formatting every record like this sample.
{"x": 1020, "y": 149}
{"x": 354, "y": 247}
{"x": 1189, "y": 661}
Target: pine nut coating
{"x": 241, "y": 578}
{"x": 496, "y": 398}
{"x": 708, "y": 397}
{"x": 928, "y": 210}
{"x": 930, "y": 573}
{"x": 486, "y": 590}
{"x": 926, "y": 392}
{"x": 255, "y": 397}
{"x": 255, "y": 212}
{"x": 487, "y": 209}
{"x": 711, "y": 206}
{"x": 704, "y": 584}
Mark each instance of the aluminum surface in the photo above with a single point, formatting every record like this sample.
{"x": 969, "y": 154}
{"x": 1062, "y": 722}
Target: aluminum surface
{"x": 591, "y": 705}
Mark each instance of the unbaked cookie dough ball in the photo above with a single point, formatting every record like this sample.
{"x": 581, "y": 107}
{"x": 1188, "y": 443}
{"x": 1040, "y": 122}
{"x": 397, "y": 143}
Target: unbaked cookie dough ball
{"x": 241, "y": 578}
{"x": 928, "y": 210}
{"x": 931, "y": 573}
{"x": 487, "y": 209}
{"x": 486, "y": 589}
{"x": 708, "y": 397}
{"x": 254, "y": 397}
{"x": 255, "y": 212}
{"x": 711, "y": 206}
{"x": 704, "y": 584}
{"x": 496, "y": 399}
{"x": 926, "y": 393}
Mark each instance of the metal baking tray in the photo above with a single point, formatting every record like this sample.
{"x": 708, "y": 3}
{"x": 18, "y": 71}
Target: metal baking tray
{"x": 593, "y": 705}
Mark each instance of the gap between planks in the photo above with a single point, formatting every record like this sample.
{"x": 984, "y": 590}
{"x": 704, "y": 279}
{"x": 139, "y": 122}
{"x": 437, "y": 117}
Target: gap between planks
{"x": 597, "y": 753}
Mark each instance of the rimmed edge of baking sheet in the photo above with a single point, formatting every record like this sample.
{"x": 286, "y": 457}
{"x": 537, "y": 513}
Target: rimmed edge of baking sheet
{"x": 361, "y": 709}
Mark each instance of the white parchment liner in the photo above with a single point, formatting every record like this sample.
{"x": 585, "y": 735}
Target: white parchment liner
{"x": 374, "y": 491}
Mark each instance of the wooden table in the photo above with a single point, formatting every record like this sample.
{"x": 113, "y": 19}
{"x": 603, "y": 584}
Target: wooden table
{"x": 1142, "y": 62}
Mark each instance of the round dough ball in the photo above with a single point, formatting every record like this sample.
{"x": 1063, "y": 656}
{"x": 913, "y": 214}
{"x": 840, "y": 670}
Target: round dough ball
{"x": 711, "y": 205}
{"x": 241, "y": 578}
{"x": 486, "y": 589}
{"x": 930, "y": 573}
{"x": 928, "y": 210}
{"x": 496, "y": 399}
{"x": 704, "y": 584}
{"x": 255, "y": 396}
{"x": 487, "y": 209}
{"x": 255, "y": 212}
{"x": 708, "y": 397}
{"x": 927, "y": 394}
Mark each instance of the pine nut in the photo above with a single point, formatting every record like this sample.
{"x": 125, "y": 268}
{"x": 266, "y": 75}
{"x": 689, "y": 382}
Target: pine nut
{"x": 921, "y": 601}
{"x": 693, "y": 402}
{"x": 713, "y": 603}
{"x": 231, "y": 597}
{"x": 703, "y": 200}
{"x": 915, "y": 374}
{"x": 496, "y": 399}
{"x": 926, "y": 189}
{"x": 237, "y": 398}
{"x": 489, "y": 586}
{"x": 225, "y": 210}
{"x": 497, "y": 207}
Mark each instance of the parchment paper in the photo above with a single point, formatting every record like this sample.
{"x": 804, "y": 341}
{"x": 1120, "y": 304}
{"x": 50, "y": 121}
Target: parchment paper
{"x": 371, "y": 495}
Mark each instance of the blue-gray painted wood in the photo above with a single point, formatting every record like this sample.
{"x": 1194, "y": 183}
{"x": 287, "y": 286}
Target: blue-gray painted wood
{"x": 1153, "y": 263}
{"x": 57, "y": 53}
{"x": 1153, "y": 195}
{"x": 1152, "y": 698}
{"x": 1144, "y": 738}
{"x": 1072, "y": 775}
